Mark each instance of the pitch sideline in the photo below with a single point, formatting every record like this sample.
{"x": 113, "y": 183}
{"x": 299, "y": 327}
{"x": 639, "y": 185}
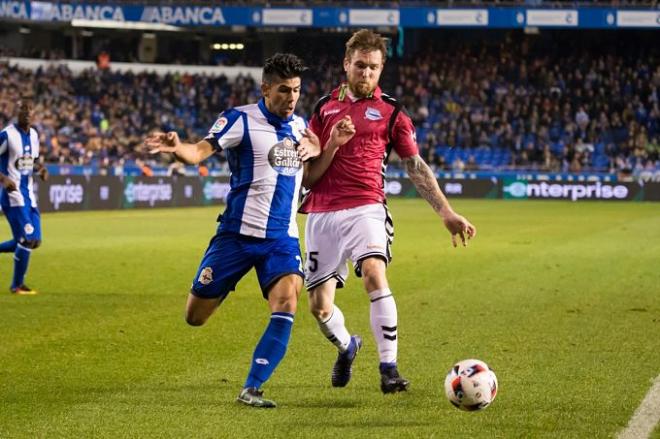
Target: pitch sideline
{"x": 647, "y": 415}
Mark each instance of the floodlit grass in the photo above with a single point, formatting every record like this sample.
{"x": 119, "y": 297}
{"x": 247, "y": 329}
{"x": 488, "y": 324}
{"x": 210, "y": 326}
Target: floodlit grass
{"x": 561, "y": 299}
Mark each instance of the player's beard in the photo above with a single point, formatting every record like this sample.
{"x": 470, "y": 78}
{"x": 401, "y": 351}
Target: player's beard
{"x": 361, "y": 89}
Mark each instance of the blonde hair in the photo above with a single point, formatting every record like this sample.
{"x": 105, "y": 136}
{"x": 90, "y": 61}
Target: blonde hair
{"x": 366, "y": 40}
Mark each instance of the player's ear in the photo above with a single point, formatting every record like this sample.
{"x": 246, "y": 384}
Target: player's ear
{"x": 265, "y": 89}
{"x": 347, "y": 63}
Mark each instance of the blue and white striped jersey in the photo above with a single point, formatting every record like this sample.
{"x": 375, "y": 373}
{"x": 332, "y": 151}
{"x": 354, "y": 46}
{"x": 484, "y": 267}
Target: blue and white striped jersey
{"x": 266, "y": 172}
{"x": 18, "y": 151}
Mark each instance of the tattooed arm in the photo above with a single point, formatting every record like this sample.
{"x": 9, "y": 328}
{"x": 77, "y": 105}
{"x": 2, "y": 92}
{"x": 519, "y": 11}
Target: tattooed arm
{"x": 427, "y": 186}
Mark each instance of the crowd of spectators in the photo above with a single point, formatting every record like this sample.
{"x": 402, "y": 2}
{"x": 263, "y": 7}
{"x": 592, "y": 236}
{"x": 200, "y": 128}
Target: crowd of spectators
{"x": 475, "y": 107}
{"x": 101, "y": 117}
{"x": 552, "y": 110}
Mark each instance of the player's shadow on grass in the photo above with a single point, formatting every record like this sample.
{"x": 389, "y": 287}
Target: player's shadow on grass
{"x": 321, "y": 404}
{"x": 372, "y": 424}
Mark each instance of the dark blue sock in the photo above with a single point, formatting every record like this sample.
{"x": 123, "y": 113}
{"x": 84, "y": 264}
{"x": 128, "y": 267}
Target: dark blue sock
{"x": 8, "y": 246}
{"x": 21, "y": 260}
{"x": 271, "y": 349}
{"x": 384, "y": 367}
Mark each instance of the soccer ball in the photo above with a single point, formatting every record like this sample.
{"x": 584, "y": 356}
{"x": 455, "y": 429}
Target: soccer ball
{"x": 471, "y": 385}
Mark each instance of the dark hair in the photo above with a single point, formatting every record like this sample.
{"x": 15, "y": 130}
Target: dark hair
{"x": 366, "y": 40}
{"x": 282, "y": 66}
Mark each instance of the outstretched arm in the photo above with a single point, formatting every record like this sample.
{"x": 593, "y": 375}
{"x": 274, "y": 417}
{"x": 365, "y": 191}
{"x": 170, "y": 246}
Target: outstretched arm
{"x": 341, "y": 132}
{"x": 188, "y": 153}
{"x": 427, "y": 186}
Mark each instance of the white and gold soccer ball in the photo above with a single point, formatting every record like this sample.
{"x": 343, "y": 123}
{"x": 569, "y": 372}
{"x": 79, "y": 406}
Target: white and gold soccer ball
{"x": 471, "y": 385}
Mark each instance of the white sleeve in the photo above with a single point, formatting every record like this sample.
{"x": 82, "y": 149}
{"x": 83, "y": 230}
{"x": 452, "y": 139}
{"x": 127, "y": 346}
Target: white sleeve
{"x": 228, "y": 131}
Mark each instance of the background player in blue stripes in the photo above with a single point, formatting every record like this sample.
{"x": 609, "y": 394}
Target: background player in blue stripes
{"x": 19, "y": 151}
{"x": 265, "y": 145}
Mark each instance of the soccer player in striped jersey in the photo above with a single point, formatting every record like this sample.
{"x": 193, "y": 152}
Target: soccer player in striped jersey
{"x": 19, "y": 152}
{"x": 265, "y": 144}
{"x": 348, "y": 217}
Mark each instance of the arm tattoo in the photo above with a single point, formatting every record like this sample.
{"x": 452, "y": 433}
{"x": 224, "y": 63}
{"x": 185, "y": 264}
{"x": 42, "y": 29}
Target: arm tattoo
{"x": 425, "y": 183}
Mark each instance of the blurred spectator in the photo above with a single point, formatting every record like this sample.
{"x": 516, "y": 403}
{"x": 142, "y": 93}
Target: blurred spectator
{"x": 145, "y": 169}
{"x": 176, "y": 168}
{"x": 471, "y": 164}
{"x": 458, "y": 165}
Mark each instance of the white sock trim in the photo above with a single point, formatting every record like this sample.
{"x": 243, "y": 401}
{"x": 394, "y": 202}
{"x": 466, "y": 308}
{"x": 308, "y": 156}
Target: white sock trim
{"x": 379, "y": 294}
{"x": 275, "y": 316}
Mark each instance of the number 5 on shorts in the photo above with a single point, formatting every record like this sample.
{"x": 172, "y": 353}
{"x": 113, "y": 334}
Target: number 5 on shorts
{"x": 312, "y": 262}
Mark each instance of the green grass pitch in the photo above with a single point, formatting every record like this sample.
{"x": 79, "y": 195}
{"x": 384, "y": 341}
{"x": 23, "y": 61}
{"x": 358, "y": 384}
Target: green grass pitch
{"x": 561, "y": 299}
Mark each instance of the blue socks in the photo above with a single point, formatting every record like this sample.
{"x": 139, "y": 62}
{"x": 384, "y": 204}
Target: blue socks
{"x": 8, "y": 246}
{"x": 21, "y": 260}
{"x": 271, "y": 349}
{"x": 384, "y": 367}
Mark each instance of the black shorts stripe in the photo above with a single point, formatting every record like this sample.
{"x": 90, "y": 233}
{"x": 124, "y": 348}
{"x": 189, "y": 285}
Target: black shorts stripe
{"x": 316, "y": 283}
{"x": 357, "y": 266}
{"x": 389, "y": 229}
{"x": 340, "y": 281}
{"x": 370, "y": 255}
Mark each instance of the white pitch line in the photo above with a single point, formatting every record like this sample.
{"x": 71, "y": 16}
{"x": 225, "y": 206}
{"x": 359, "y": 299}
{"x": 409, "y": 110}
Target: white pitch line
{"x": 646, "y": 417}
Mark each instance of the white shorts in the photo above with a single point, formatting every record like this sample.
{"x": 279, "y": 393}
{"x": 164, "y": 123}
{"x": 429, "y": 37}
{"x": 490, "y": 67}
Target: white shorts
{"x": 333, "y": 237}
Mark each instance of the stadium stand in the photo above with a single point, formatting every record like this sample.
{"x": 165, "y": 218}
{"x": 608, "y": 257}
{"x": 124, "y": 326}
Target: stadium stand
{"x": 518, "y": 104}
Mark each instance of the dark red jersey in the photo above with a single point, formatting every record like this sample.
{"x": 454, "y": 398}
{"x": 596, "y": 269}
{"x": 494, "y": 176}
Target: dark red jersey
{"x": 355, "y": 176}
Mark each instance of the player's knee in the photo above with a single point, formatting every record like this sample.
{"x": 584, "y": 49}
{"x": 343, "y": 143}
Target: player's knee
{"x": 284, "y": 302}
{"x": 283, "y": 295}
{"x": 195, "y": 319}
{"x": 198, "y": 310}
{"x": 373, "y": 273}
{"x": 30, "y": 243}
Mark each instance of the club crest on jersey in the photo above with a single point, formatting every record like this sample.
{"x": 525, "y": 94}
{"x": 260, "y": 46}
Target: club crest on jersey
{"x": 283, "y": 158}
{"x": 25, "y": 164}
{"x": 373, "y": 114}
{"x": 206, "y": 276}
{"x": 219, "y": 125}
{"x": 29, "y": 229}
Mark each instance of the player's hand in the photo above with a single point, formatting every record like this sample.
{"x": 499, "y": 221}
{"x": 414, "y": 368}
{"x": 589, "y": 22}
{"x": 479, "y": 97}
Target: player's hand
{"x": 342, "y": 131}
{"x": 43, "y": 173}
{"x": 162, "y": 142}
{"x": 458, "y": 226}
{"x": 8, "y": 184}
{"x": 309, "y": 147}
